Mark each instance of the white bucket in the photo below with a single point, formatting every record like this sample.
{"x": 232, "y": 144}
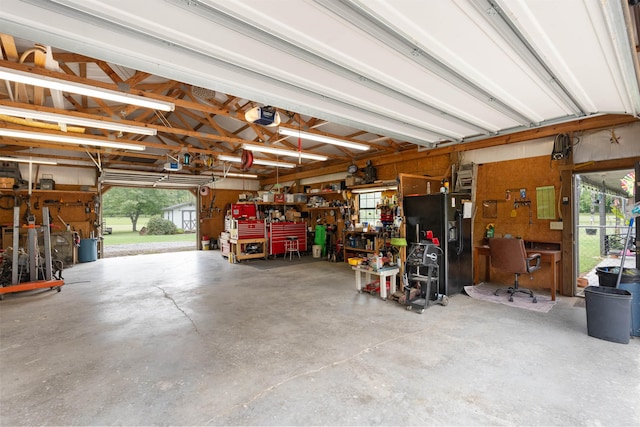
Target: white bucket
{"x": 205, "y": 245}
{"x": 317, "y": 251}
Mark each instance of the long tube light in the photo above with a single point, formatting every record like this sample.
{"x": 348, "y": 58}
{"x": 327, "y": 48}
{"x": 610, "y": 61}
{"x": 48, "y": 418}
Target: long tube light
{"x": 374, "y": 189}
{"x": 68, "y": 139}
{"x": 283, "y": 152}
{"x": 232, "y": 159}
{"x": 264, "y": 162}
{"x": 322, "y": 138}
{"x": 236, "y": 175}
{"x": 72, "y": 120}
{"x": 83, "y": 89}
{"x": 274, "y": 163}
{"x": 21, "y": 160}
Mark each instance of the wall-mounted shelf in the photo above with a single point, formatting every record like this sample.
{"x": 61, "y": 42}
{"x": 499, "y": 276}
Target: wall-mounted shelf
{"x": 280, "y": 203}
{"x": 325, "y": 208}
{"x": 25, "y": 191}
{"x": 350, "y": 251}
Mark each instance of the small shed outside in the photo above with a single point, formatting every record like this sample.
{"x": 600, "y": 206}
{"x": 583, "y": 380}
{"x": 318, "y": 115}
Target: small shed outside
{"x": 183, "y": 215}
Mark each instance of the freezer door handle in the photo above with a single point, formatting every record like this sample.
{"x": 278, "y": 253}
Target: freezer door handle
{"x": 459, "y": 239}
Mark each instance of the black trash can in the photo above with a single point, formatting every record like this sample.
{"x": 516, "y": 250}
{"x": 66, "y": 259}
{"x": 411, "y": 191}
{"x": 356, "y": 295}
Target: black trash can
{"x": 634, "y": 288}
{"x": 608, "y": 276}
{"x": 608, "y": 313}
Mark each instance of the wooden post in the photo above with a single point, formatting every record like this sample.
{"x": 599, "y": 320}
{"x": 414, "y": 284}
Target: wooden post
{"x": 568, "y": 285}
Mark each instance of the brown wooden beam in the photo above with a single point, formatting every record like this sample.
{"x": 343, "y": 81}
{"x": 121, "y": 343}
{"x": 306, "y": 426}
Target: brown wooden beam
{"x": 590, "y": 123}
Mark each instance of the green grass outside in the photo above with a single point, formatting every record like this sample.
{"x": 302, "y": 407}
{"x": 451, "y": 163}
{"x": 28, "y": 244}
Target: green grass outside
{"x": 589, "y": 251}
{"x": 122, "y": 234}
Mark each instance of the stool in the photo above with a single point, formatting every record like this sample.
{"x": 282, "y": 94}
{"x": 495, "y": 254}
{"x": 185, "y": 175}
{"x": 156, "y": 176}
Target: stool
{"x": 291, "y": 246}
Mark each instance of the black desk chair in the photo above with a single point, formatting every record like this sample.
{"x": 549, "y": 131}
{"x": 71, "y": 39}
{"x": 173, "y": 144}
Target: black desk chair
{"x": 510, "y": 255}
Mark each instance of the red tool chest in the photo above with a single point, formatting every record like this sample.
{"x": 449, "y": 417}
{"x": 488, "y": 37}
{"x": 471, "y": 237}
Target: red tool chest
{"x": 278, "y": 232}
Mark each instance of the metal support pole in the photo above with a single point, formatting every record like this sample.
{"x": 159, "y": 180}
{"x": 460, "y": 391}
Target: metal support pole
{"x": 32, "y": 240}
{"x": 48, "y": 271}
{"x": 16, "y": 245}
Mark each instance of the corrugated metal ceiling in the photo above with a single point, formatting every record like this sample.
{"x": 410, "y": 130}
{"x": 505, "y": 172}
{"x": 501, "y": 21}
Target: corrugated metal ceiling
{"x": 427, "y": 73}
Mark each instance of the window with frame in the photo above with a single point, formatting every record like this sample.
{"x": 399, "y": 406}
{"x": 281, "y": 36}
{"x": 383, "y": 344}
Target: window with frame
{"x": 367, "y": 207}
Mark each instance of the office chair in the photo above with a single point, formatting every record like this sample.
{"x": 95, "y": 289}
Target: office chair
{"x": 510, "y": 255}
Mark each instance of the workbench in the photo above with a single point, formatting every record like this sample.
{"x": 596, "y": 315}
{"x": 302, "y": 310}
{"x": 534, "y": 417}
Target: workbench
{"x": 391, "y": 272}
{"x": 550, "y": 256}
{"x": 238, "y": 248}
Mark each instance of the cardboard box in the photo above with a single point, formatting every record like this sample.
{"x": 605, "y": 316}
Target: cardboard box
{"x": 278, "y": 198}
{"x": 268, "y": 197}
{"x": 7, "y": 183}
{"x": 352, "y": 180}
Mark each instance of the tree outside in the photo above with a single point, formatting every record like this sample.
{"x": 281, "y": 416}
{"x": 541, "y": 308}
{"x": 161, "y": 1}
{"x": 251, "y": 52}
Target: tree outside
{"x": 135, "y": 202}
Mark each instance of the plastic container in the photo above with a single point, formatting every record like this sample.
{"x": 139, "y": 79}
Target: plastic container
{"x": 316, "y": 251}
{"x": 88, "y": 250}
{"x": 608, "y": 313}
{"x": 634, "y": 288}
{"x": 608, "y": 276}
{"x": 206, "y": 244}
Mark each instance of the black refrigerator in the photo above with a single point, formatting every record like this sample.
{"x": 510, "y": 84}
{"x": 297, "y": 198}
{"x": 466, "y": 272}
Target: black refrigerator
{"x": 448, "y": 216}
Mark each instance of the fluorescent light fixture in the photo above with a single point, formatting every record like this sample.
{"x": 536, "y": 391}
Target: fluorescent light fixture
{"x": 231, "y": 159}
{"x": 374, "y": 189}
{"x": 236, "y": 175}
{"x": 283, "y": 152}
{"x": 68, "y": 139}
{"x": 21, "y": 160}
{"x": 72, "y": 120}
{"x": 83, "y": 89}
{"x": 264, "y": 162}
{"x": 322, "y": 138}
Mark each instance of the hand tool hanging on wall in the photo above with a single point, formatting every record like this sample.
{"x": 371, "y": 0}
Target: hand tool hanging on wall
{"x": 68, "y": 228}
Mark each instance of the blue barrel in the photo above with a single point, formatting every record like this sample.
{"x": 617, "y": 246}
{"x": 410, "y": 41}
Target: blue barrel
{"x": 88, "y": 250}
{"x": 634, "y": 289}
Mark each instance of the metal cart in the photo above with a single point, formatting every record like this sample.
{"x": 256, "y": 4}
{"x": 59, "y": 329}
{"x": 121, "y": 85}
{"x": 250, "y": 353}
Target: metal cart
{"x": 421, "y": 278}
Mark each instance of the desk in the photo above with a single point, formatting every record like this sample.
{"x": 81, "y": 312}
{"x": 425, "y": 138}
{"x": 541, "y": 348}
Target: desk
{"x": 391, "y": 272}
{"x": 550, "y": 256}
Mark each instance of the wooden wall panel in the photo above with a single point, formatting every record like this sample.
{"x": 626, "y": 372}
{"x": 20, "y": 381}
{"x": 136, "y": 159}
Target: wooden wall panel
{"x": 433, "y": 166}
{"x": 75, "y": 208}
{"x": 493, "y": 181}
{"x": 212, "y": 217}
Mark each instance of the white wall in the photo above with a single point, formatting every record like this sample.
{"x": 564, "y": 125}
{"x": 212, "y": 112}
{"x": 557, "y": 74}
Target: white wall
{"x": 61, "y": 174}
{"x": 236, "y": 184}
{"x": 616, "y": 143}
{"x": 519, "y": 150}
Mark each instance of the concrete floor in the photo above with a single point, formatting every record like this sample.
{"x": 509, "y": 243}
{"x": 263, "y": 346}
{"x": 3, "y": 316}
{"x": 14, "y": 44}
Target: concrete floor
{"x": 189, "y": 339}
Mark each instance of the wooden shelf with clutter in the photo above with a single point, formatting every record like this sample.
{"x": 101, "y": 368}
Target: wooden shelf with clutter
{"x": 358, "y": 243}
{"x": 362, "y": 239}
{"x": 72, "y": 209}
{"x": 331, "y": 207}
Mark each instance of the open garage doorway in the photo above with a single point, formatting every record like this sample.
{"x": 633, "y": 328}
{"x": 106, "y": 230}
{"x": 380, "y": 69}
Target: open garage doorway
{"x": 148, "y": 220}
{"x": 604, "y": 201}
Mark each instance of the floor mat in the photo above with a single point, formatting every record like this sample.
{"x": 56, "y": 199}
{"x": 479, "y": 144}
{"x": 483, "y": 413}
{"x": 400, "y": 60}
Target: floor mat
{"x": 485, "y": 292}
